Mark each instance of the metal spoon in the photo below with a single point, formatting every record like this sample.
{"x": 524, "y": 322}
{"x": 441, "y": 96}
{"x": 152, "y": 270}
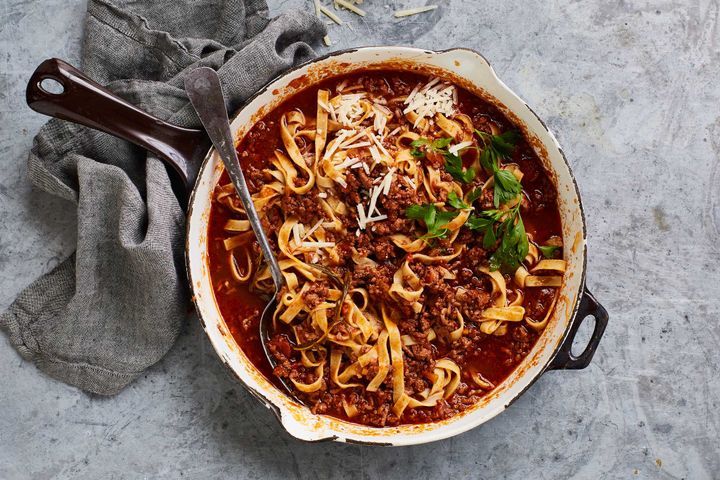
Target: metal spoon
{"x": 205, "y": 92}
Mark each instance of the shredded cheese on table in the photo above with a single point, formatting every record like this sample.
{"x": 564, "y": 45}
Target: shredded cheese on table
{"x": 414, "y": 11}
{"x": 331, "y": 15}
{"x": 351, "y": 7}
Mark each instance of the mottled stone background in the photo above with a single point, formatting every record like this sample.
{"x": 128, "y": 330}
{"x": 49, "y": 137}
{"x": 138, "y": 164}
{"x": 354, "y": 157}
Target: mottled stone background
{"x": 631, "y": 90}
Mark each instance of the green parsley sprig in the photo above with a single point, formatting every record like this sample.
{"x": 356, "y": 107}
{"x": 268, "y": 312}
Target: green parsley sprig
{"x": 435, "y": 220}
{"x": 438, "y": 145}
{"x": 497, "y": 147}
{"x": 507, "y": 228}
{"x": 457, "y": 202}
{"x": 454, "y": 166}
{"x": 502, "y": 230}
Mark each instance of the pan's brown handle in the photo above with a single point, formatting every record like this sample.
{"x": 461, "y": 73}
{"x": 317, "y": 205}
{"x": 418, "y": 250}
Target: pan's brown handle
{"x": 84, "y": 101}
{"x": 564, "y": 358}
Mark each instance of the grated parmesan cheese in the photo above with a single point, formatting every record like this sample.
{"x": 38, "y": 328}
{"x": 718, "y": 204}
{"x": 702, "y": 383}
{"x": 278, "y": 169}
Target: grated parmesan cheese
{"x": 377, "y": 219}
{"x": 412, "y": 94}
{"x": 433, "y": 81}
{"x": 350, "y": 161}
{"x": 355, "y": 145}
{"x": 433, "y": 98}
{"x": 455, "y": 149}
{"x": 375, "y": 154}
{"x": 378, "y": 144}
{"x": 318, "y": 244}
{"x": 356, "y": 136}
{"x": 382, "y": 187}
{"x": 380, "y": 121}
{"x": 324, "y": 106}
{"x": 397, "y": 129}
{"x": 349, "y": 109}
{"x": 387, "y": 181}
{"x": 333, "y": 115}
{"x": 351, "y": 5}
{"x": 361, "y": 216}
{"x": 373, "y": 200}
{"x": 312, "y": 230}
{"x": 342, "y": 135}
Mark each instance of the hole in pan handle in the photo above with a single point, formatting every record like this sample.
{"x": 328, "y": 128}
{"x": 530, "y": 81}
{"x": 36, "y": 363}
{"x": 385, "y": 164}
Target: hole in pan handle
{"x": 564, "y": 358}
{"x": 81, "y": 100}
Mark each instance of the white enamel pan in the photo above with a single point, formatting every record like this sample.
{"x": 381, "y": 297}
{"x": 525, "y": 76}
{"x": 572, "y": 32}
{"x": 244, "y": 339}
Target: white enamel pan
{"x": 198, "y": 169}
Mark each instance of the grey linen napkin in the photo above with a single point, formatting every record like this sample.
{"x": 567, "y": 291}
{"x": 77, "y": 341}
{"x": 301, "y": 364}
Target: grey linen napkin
{"x": 116, "y": 306}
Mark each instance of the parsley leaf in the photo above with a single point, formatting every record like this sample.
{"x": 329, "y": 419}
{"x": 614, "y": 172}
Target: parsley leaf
{"x": 505, "y": 142}
{"x": 489, "y": 159}
{"x": 485, "y": 224}
{"x": 479, "y": 223}
{"x": 426, "y": 213}
{"x": 507, "y": 187}
{"x": 474, "y": 195}
{"x": 548, "y": 251}
{"x": 454, "y": 166}
{"x": 456, "y": 202}
{"x": 497, "y": 147}
{"x": 438, "y": 145}
{"x": 435, "y": 220}
{"x": 441, "y": 143}
{"x": 417, "y": 151}
{"x": 514, "y": 244}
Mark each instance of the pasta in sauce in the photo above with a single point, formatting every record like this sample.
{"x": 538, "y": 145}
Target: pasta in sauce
{"x": 419, "y": 238}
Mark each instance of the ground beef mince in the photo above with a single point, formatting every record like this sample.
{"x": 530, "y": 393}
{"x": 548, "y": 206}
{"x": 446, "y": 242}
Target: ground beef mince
{"x": 306, "y": 208}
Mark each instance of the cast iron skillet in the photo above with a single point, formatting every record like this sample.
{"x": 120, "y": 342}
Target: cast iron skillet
{"x": 85, "y": 102}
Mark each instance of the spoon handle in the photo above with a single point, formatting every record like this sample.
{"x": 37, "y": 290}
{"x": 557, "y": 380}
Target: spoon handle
{"x": 205, "y": 92}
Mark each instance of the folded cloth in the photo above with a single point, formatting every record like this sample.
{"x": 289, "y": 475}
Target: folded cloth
{"x": 116, "y": 306}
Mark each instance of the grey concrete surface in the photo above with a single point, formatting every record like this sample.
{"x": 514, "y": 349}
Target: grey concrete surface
{"x": 630, "y": 88}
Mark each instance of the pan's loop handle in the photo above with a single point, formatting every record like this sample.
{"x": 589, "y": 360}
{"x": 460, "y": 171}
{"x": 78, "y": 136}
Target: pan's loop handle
{"x": 84, "y": 101}
{"x": 564, "y": 358}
